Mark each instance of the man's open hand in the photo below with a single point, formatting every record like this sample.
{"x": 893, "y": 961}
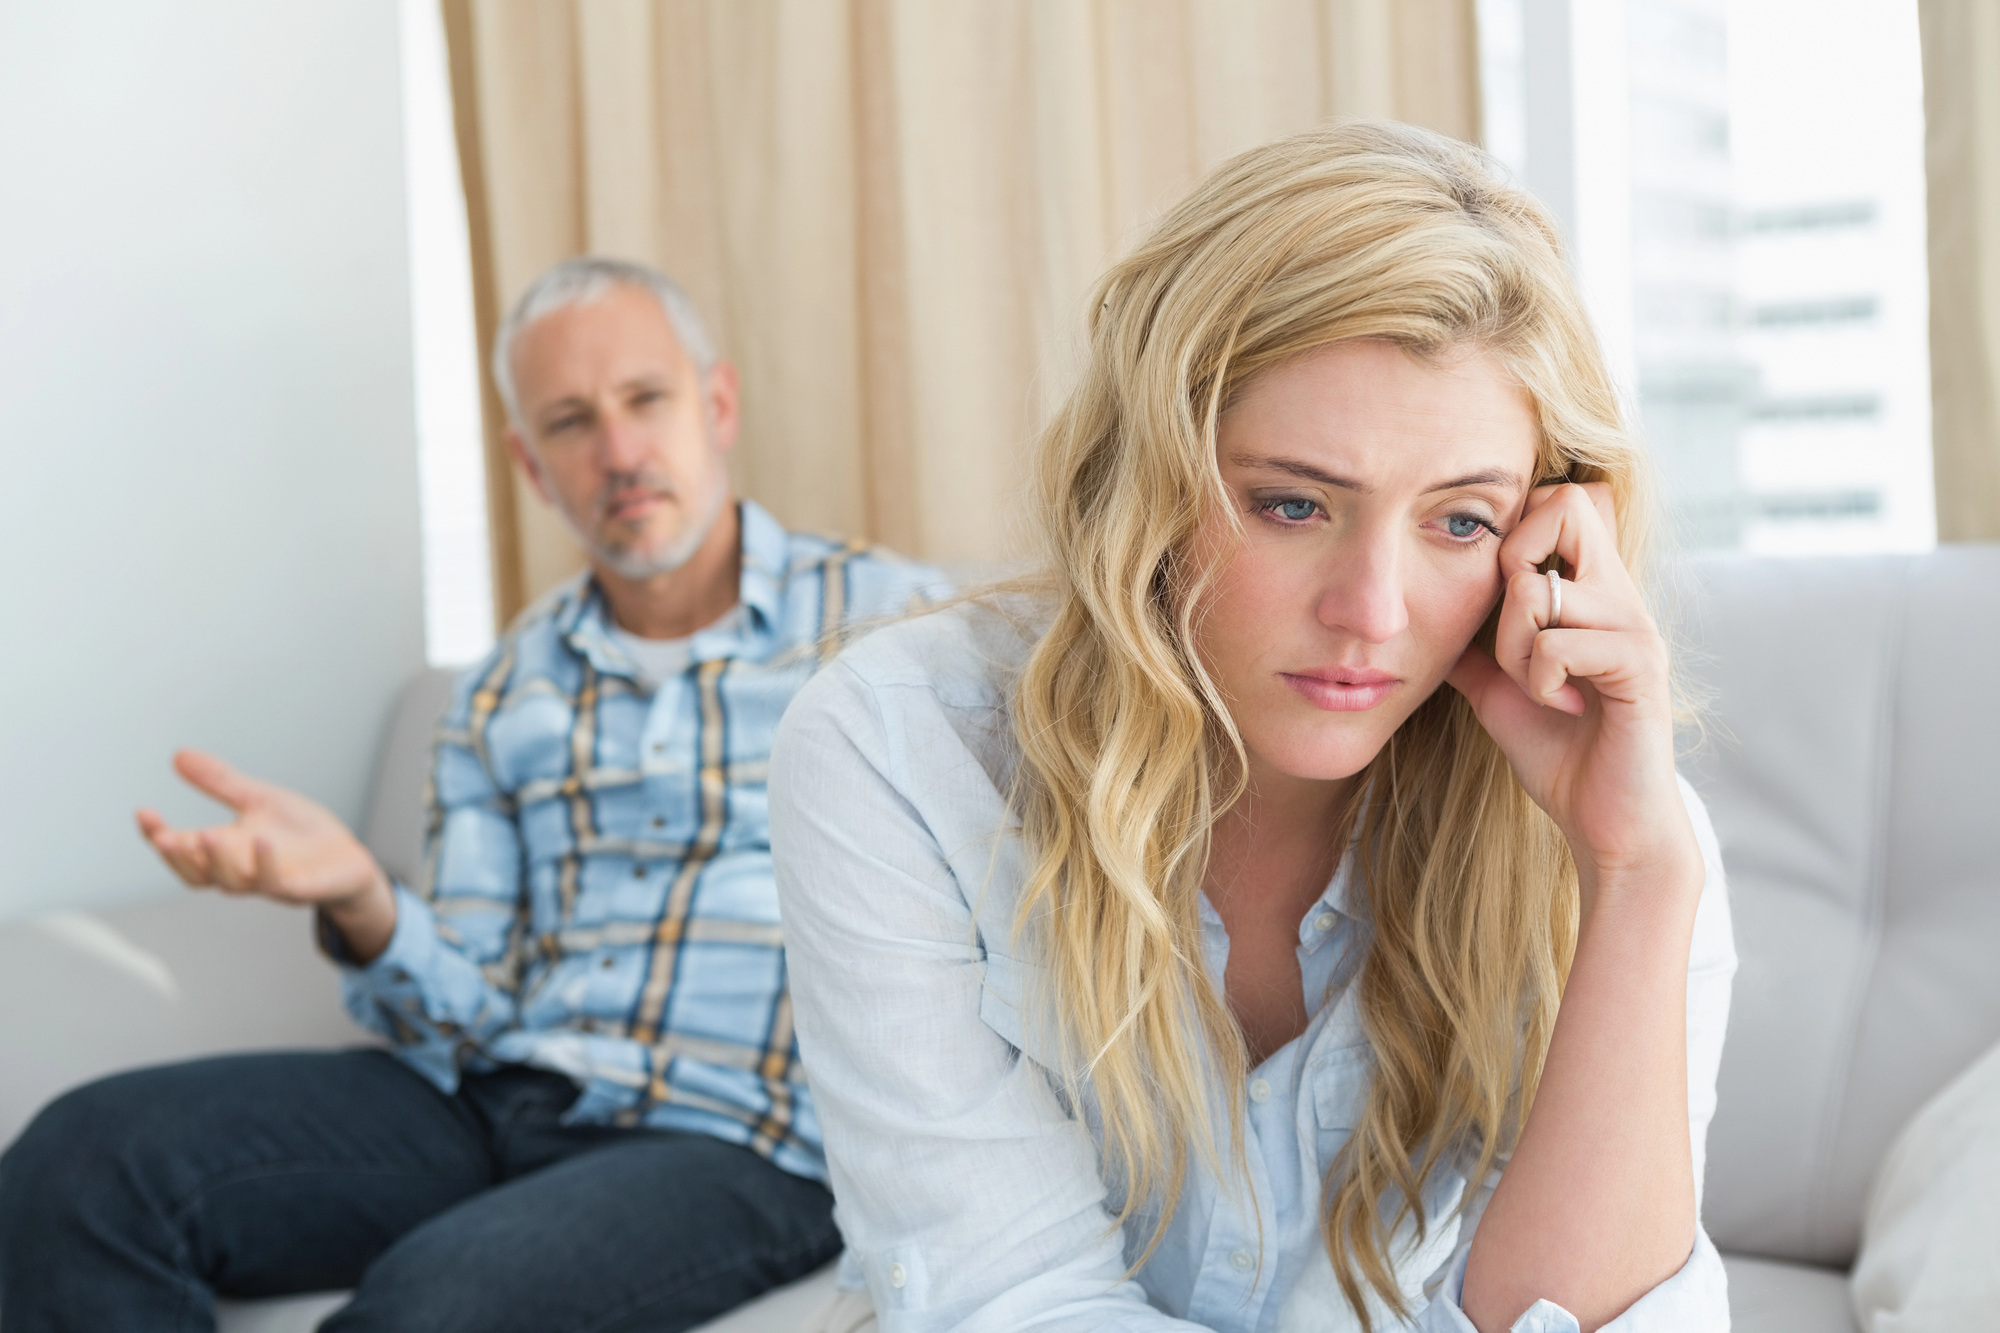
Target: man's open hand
{"x": 281, "y": 846}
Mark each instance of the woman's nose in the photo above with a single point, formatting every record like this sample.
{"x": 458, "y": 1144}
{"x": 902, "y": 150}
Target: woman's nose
{"x": 1364, "y": 593}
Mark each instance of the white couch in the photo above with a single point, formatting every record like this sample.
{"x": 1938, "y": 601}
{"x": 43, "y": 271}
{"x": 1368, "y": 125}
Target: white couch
{"x": 1855, "y": 733}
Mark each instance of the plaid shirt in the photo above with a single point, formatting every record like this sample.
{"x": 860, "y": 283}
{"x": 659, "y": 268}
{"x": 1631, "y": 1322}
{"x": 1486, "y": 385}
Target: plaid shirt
{"x": 599, "y": 896}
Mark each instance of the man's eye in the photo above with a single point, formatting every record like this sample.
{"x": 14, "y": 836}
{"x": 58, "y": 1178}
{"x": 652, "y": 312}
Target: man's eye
{"x": 1465, "y": 527}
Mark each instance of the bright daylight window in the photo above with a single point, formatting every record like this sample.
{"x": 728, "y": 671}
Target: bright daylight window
{"x": 458, "y": 586}
{"x": 1742, "y": 183}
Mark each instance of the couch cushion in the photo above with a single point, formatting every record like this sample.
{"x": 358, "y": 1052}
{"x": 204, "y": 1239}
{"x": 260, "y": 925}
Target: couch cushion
{"x": 85, "y": 993}
{"x": 1766, "y": 1296}
{"x": 1849, "y": 780}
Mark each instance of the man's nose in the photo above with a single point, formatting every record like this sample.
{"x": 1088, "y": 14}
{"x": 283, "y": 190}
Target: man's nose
{"x": 1364, "y": 594}
{"x": 622, "y": 442}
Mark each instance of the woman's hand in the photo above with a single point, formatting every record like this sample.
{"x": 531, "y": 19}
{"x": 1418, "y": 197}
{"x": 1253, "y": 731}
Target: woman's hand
{"x": 1583, "y": 710}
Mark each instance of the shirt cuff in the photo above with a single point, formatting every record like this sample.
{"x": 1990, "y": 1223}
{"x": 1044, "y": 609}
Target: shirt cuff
{"x": 411, "y": 944}
{"x": 1693, "y": 1299}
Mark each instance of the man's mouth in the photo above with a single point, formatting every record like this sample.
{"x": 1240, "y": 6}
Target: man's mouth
{"x": 1342, "y": 689}
{"x": 634, "y": 505}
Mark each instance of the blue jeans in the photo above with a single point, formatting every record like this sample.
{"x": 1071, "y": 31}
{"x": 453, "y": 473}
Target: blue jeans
{"x": 130, "y": 1204}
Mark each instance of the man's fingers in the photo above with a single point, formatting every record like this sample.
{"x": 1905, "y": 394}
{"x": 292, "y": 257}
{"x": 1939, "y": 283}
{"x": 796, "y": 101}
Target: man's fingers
{"x": 232, "y": 859}
{"x": 181, "y": 852}
{"x": 266, "y": 858}
{"x": 214, "y": 778}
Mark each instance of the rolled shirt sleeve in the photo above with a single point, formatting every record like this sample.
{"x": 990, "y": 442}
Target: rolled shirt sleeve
{"x": 445, "y": 985}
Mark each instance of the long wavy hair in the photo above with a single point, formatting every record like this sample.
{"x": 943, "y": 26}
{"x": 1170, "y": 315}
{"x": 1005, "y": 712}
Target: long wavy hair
{"x": 1365, "y": 230}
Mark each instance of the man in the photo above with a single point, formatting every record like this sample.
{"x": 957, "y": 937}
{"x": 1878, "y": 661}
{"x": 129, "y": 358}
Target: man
{"x": 593, "y": 1117}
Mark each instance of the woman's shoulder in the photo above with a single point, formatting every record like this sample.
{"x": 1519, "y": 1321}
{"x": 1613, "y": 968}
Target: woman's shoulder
{"x": 964, "y": 654}
{"x": 920, "y": 699}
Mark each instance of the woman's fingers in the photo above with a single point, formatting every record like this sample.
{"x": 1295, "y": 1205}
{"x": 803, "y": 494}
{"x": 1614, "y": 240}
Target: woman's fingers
{"x": 1617, "y": 666}
{"x": 1526, "y": 613}
{"x": 1574, "y": 522}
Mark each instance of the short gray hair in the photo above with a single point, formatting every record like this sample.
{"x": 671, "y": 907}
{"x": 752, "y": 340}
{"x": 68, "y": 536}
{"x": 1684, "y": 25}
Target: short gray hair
{"x": 582, "y": 280}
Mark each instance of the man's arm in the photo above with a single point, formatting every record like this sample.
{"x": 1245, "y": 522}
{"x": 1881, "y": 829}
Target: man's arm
{"x": 434, "y": 972}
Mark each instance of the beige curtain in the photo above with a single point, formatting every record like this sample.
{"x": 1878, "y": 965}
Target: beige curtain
{"x": 1962, "y": 158}
{"x": 890, "y": 210}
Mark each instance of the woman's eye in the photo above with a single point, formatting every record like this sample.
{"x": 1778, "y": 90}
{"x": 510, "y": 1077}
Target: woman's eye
{"x": 1292, "y": 511}
{"x": 1465, "y": 527}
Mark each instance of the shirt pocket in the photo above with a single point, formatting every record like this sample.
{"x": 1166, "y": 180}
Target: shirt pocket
{"x": 1011, "y": 1002}
{"x": 1340, "y": 1080}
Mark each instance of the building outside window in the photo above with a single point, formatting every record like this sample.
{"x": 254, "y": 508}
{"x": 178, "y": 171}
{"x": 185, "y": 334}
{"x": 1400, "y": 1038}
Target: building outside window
{"x": 1742, "y": 184}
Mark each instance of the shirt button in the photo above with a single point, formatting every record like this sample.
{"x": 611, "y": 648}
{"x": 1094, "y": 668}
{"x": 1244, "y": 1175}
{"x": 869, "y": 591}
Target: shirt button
{"x": 638, "y": 872}
{"x": 1260, "y": 1091}
{"x": 659, "y": 821}
{"x": 607, "y": 962}
{"x": 897, "y": 1277}
{"x": 1241, "y": 1261}
{"x": 1324, "y": 921}
{"x": 659, "y": 747}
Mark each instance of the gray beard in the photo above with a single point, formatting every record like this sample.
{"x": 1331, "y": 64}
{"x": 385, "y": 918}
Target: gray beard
{"x": 636, "y": 565}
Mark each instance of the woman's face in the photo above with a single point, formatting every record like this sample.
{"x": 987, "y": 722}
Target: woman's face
{"x": 1372, "y": 491}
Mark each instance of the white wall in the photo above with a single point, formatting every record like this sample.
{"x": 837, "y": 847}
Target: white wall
{"x": 208, "y": 513}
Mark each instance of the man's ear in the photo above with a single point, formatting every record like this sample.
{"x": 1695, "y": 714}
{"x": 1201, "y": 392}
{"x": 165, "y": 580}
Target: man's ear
{"x": 723, "y": 411}
{"x": 525, "y": 458}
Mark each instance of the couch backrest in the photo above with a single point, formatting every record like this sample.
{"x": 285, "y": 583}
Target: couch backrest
{"x": 1855, "y": 783}
{"x": 394, "y": 828}
{"x": 1854, "y": 779}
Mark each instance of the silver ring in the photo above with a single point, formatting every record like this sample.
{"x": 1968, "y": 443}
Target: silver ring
{"x": 1555, "y": 601}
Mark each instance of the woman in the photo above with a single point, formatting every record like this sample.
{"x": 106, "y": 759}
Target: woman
{"x": 1289, "y": 917}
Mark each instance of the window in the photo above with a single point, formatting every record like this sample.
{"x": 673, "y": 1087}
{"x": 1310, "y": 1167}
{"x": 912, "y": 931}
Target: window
{"x": 1742, "y": 187}
{"x": 458, "y": 581}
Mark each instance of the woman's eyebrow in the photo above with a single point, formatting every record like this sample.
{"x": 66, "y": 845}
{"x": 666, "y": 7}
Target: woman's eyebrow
{"x": 1299, "y": 468}
{"x": 1491, "y": 477}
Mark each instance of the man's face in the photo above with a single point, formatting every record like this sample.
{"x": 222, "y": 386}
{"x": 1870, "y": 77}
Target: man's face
{"x": 621, "y": 433}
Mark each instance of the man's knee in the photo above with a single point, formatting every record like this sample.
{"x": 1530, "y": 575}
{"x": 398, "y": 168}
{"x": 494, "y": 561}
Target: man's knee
{"x": 86, "y": 1139}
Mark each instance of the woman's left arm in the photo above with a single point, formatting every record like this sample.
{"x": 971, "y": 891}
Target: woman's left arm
{"x": 1598, "y": 1205}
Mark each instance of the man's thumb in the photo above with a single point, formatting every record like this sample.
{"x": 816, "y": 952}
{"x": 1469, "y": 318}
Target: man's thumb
{"x": 215, "y": 778}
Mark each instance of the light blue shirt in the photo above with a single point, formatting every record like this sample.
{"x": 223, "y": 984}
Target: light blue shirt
{"x": 968, "y": 1191}
{"x": 598, "y": 897}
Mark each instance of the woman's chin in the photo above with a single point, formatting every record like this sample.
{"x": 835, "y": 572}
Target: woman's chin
{"x": 1318, "y": 758}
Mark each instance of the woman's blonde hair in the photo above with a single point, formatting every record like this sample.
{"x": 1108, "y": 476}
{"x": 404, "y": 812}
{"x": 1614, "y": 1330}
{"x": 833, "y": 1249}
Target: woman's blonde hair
{"x": 1367, "y": 230}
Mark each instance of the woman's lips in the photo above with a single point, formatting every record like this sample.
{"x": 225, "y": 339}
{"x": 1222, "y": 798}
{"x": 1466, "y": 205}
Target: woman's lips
{"x": 1343, "y": 691}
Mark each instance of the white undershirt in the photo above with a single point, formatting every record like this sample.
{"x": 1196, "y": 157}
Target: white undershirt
{"x": 660, "y": 660}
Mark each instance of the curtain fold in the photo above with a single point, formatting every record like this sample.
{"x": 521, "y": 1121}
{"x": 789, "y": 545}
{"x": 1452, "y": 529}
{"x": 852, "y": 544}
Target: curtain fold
{"x": 890, "y": 210}
{"x": 1961, "y": 43}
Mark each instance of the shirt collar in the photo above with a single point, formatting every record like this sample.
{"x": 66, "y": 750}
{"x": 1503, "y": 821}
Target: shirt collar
{"x": 583, "y": 616}
{"x": 1341, "y": 899}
